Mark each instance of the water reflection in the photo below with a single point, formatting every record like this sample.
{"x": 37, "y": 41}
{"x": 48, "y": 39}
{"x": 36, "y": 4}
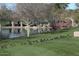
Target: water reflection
{"x": 6, "y": 33}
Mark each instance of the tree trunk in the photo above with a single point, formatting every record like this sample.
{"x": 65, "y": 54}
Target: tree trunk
{"x": 39, "y": 28}
{"x": 44, "y": 28}
{"x": 0, "y": 27}
{"x": 12, "y": 30}
{"x": 21, "y": 30}
{"x": 48, "y": 27}
{"x": 27, "y": 28}
{"x": 0, "y": 32}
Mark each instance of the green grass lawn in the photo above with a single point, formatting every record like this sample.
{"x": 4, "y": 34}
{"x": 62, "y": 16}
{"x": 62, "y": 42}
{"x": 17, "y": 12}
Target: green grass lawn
{"x": 57, "y": 43}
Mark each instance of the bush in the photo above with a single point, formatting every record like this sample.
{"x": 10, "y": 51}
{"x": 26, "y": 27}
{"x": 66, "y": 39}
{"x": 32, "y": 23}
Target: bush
{"x": 29, "y": 42}
{"x": 41, "y": 40}
{"x": 56, "y": 37}
{"x": 3, "y": 46}
{"x": 25, "y": 43}
{"x": 36, "y": 41}
{"x": 33, "y": 41}
{"x": 12, "y": 45}
{"x": 47, "y": 39}
{"x": 51, "y": 39}
{"x": 62, "y": 36}
{"x": 44, "y": 39}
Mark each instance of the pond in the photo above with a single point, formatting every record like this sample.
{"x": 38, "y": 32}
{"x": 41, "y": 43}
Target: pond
{"x": 6, "y": 33}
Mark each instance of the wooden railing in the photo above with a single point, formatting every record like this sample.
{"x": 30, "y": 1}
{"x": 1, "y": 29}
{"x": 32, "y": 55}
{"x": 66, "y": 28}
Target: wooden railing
{"x": 27, "y": 28}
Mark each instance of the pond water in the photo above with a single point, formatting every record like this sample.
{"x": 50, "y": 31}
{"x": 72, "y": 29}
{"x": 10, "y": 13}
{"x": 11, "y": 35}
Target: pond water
{"x": 7, "y": 34}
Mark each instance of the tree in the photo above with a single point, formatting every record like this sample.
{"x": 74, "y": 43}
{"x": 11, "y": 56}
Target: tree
{"x": 5, "y": 14}
{"x": 77, "y": 4}
{"x": 59, "y": 9}
{"x": 37, "y": 13}
{"x": 33, "y": 12}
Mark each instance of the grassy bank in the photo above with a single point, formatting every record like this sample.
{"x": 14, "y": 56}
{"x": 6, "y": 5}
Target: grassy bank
{"x": 56, "y": 43}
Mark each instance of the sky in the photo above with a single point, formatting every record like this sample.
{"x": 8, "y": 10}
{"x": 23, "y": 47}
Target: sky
{"x": 70, "y": 6}
{"x": 11, "y": 5}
